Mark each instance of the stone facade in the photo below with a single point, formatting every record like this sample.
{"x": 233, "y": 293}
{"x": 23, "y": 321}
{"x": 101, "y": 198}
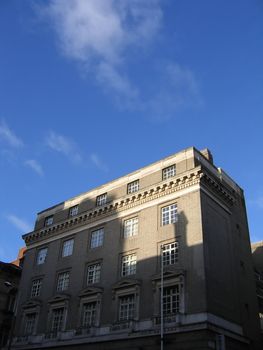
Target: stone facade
{"x": 92, "y": 271}
{"x": 257, "y": 255}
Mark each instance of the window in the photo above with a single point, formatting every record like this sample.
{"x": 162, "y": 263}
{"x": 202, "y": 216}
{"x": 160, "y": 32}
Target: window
{"x": 101, "y": 199}
{"x": 41, "y": 256}
{"x": 168, "y": 172}
{"x": 89, "y": 311}
{"x": 57, "y": 319}
{"x": 170, "y": 253}
{"x": 169, "y": 214}
{"x": 130, "y": 227}
{"x": 171, "y": 300}
{"x": 74, "y": 210}
{"x": 97, "y": 238}
{"x": 49, "y": 220}
{"x": 63, "y": 281}
{"x": 36, "y": 287}
{"x": 67, "y": 248}
{"x": 133, "y": 187}
{"x": 30, "y": 321}
{"x": 128, "y": 265}
{"x": 127, "y": 307}
{"x": 93, "y": 275}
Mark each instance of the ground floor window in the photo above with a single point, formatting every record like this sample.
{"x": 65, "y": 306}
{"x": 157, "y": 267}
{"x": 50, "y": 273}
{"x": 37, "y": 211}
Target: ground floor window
{"x": 89, "y": 313}
{"x": 57, "y": 319}
{"x": 171, "y": 300}
{"x": 127, "y": 307}
{"x": 30, "y": 321}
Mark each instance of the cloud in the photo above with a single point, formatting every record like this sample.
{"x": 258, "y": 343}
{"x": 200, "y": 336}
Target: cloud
{"x": 98, "y": 34}
{"x": 258, "y": 202}
{"x": 98, "y": 162}
{"x": 62, "y": 144}
{"x": 19, "y": 223}
{"x": 34, "y": 165}
{"x": 8, "y": 136}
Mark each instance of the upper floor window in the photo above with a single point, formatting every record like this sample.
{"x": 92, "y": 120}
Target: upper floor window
{"x": 89, "y": 313}
{"x": 101, "y": 199}
{"x": 49, "y": 220}
{"x": 97, "y": 238}
{"x": 67, "y": 249}
{"x": 133, "y": 187}
{"x": 130, "y": 227}
{"x": 36, "y": 287}
{"x": 30, "y": 322}
{"x": 170, "y": 253}
{"x": 63, "y": 281}
{"x": 169, "y": 214}
{"x": 171, "y": 300}
{"x": 41, "y": 256}
{"x": 74, "y": 210}
{"x": 127, "y": 307}
{"x": 93, "y": 275}
{"x": 168, "y": 172}
{"x": 128, "y": 265}
{"x": 57, "y": 319}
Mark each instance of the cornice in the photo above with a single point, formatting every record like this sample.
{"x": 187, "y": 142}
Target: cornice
{"x": 172, "y": 185}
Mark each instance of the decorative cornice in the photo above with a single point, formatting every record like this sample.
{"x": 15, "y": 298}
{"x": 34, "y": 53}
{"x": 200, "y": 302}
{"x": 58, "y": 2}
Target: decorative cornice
{"x": 156, "y": 191}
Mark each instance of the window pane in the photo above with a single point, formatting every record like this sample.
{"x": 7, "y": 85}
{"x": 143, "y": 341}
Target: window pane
{"x": 63, "y": 281}
{"x": 57, "y": 320}
{"x": 97, "y": 238}
{"x": 133, "y": 186}
{"x": 89, "y": 312}
{"x": 102, "y": 199}
{"x": 171, "y": 300}
{"x": 128, "y": 265}
{"x": 74, "y": 210}
{"x": 30, "y": 320}
{"x": 41, "y": 256}
{"x": 130, "y": 227}
{"x": 170, "y": 253}
{"x": 127, "y": 307}
{"x": 68, "y": 247}
{"x": 169, "y": 172}
{"x": 36, "y": 288}
{"x": 93, "y": 275}
{"x": 169, "y": 214}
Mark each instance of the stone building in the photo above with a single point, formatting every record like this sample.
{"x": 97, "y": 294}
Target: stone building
{"x": 92, "y": 276}
{"x": 9, "y": 280}
{"x": 257, "y": 255}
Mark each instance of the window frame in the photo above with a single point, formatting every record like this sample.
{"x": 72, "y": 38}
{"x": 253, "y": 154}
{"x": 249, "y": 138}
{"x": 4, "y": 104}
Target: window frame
{"x": 172, "y": 216}
{"x": 133, "y": 186}
{"x": 171, "y": 299}
{"x": 125, "y": 312}
{"x": 93, "y": 274}
{"x": 62, "y": 282}
{"x": 168, "y": 172}
{"x": 49, "y": 220}
{"x": 41, "y": 256}
{"x": 96, "y": 242}
{"x": 73, "y": 211}
{"x": 128, "y": 267}
{"x": 130, "y": 230}
{"x": 26, "y": 322}
{"x": 67, "y": 251}
{"x": 101, "y": 199}
{"x": 36, "y": 287}
{"x": 170, "y": 254}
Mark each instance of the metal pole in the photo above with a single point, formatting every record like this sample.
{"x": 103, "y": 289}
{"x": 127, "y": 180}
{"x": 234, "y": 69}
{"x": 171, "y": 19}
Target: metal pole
{"x": 161, "y": 298}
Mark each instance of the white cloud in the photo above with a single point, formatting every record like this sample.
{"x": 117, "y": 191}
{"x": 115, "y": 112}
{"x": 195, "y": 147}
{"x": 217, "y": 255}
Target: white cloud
{"x": 8, "y": 136}
{"x": 98, "y": 162}
{"x": 35, "y": 165}
{"x": 98, "y": 34}
{"x": 64, "y": 145}
{"x": 19, "y": 223}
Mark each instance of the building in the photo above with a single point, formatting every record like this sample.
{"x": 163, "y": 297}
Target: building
{"x": 257, "y": 255}
{"x": 9, "y": 280}
{"x": 97, "y": 264}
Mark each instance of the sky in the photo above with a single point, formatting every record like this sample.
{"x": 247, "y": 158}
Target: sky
{"x": 91, "y": 90}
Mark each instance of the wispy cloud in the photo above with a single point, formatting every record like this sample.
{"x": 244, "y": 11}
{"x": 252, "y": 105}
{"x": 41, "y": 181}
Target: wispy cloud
{"x": 8, "y": 136}
{"x": 258, "y": 202}
{"x": 35, "y": 166}
{"x": 64, "y": 145}
{"x": 98, "y": 162}
{"x": 98, "y": 34}
{"x": 19, "y": 223}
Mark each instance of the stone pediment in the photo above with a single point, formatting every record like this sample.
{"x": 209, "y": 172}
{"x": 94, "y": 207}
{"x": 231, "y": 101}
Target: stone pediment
{"x": 90, "y": 291}
{"x": 31, "y": 304}
{"x": 126, "y": 283}
{"x": 59, "y": 298}
{"x": 169, "y": 274}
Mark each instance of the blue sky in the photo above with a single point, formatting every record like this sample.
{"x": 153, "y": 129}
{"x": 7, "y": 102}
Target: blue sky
{"x": 92, "y": 90}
